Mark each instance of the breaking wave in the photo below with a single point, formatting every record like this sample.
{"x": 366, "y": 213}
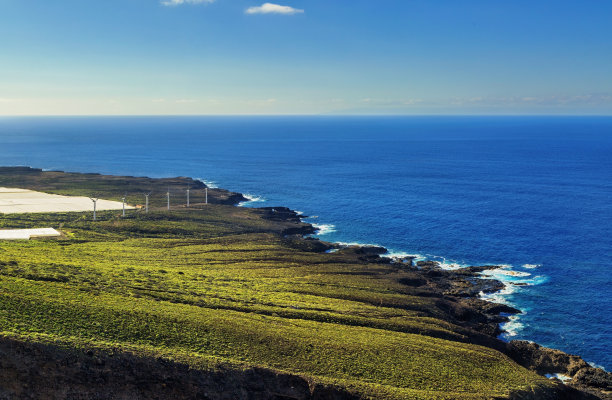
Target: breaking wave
{"x": 324, "y": 229}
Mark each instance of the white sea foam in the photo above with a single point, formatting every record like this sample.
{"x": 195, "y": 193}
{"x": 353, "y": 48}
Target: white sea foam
{"x": 445, "y": 263}
{"x": 512, "y": 278}
{"x": 209, "y": 184}
{"x": 251, "y": 198}
{"x": 451, "y": 265}
{"x": 531, "y": 266}
{"x": 563, "y": 378}
{"x": 324, "y": 229}
{"x": 347, "y": 244}
{"x": 501, "y": 296}
{"x": 254, "y": 198}
{"x": 537, "y": 280}
{"x": 512, "y": 327}
{"x": 592, "y": 364}
{"x": 514, "y": 281}
{"x": 505, "y": 273}
{"x": 399, "y": 254}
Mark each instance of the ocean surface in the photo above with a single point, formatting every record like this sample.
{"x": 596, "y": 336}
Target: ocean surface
{"x": 532, "y": 193}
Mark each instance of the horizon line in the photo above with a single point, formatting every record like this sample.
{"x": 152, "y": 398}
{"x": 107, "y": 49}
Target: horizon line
{"x": 298, "y": 115}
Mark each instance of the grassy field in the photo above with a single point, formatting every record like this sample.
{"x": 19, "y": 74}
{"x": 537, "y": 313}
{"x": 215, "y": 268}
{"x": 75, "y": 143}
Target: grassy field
{"x": 220, "y": 285}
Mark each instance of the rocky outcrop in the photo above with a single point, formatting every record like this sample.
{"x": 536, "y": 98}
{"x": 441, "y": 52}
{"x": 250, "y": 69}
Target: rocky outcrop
{"x": 222, "y": 196}
{"x": 462, "y": 282}
{"x": 466, "y": 285}
{"x": 292, "y": 221}
{"x": 280, "y": 214}
{"x": 550, "y": 361}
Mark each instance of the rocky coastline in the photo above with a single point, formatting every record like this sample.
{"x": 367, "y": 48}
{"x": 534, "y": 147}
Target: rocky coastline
{"x": 465, "y": 285}
{"x": 28, "y": 369}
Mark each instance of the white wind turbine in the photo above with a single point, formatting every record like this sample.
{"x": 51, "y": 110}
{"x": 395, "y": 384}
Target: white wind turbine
{"x": 147, "y": 202}
{"x": 95, "y": 203}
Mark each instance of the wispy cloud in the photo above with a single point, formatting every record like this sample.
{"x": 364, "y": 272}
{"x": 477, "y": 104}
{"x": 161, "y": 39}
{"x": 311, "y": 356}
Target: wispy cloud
{"x": 270, "y": 8}
{"x": 179, "y": 2}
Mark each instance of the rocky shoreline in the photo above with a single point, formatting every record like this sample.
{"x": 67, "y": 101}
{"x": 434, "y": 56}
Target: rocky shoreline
{"x": 465, "y": 285}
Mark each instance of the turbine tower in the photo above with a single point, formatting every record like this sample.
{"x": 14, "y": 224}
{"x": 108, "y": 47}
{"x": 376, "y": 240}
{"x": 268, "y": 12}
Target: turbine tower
{"x": 147, "y": 202}
{"x": 206, "y": 191}
{"x": 95, "y": 202}
{"x": 188, "y": 188}
{"x": 123, "y": 201}
{"x": 168, "y": 196}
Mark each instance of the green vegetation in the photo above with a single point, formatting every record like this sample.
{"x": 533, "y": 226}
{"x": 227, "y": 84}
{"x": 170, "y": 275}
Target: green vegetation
{"x": 220, "y": 285}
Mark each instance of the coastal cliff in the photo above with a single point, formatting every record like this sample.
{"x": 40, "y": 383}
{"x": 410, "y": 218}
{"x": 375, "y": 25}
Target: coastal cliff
{"x": 216, "y": 301}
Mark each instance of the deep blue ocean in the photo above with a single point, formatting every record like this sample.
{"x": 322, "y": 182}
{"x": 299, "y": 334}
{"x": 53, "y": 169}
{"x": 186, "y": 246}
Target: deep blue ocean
{"x": 532, "y": 193}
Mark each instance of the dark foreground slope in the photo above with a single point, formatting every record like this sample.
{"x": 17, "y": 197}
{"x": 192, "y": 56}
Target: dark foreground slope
{"x": 220, "y": 302}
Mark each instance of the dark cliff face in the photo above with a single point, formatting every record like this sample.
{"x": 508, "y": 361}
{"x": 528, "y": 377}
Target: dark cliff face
{"x": 37, "y": 372}
{"x": 43, "y": 372}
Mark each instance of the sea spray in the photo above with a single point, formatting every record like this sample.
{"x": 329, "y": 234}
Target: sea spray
{"x": 251, "y": 199}
{"x": 324, "y": 229}
{"x": 209, "y": 184}
{"x": 514, "y": 282}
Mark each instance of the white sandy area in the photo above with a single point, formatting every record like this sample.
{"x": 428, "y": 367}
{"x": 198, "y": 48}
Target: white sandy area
{"x": 15, "y": 201}
{"x": 27, "y": 234}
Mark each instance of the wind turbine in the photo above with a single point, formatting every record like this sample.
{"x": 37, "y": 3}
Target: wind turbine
{"x": 123, "y": 201}
{"x": 95, "y": 202}
{"x": 206, "y": 191}
{"x": 168, "y": 196}
{"x": 188, "y": 188}
{"x": 147, "y": 202}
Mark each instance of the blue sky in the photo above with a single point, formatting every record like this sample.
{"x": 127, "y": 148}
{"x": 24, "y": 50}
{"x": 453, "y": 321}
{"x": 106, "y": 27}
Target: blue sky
{"x": 74, "y": 57}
